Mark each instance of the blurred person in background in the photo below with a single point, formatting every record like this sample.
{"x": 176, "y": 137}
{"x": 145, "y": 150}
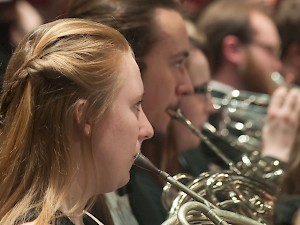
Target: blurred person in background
{"x": 287, "y": 20}
{"x": 244, "y": 45}
{"x": 193, "y": 159}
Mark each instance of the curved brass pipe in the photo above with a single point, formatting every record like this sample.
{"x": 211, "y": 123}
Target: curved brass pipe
{"x": 178, "y": 115}
{"x": 251, "y": 163}
{"x": 246, "y": 192}
{"x": 192, "y": 212}
{"x": 215, "y": 215}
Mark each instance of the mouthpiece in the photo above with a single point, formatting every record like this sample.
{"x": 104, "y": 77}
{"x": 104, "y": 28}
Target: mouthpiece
{"x": 144, "y": 163}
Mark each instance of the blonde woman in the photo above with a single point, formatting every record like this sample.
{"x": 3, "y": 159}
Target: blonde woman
{"x": 72, "y": 122}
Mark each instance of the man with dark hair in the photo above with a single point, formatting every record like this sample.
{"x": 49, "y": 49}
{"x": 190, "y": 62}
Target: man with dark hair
{"x": 160, "y": 46}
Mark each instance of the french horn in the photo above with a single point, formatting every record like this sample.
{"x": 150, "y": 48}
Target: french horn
{"x": 242, "y": 189}
{"x": 200, "y": 210}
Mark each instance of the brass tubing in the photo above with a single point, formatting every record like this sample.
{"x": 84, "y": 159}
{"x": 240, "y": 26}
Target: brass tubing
{"x": 144, "y": 163}
{"x": 181, "y": 118}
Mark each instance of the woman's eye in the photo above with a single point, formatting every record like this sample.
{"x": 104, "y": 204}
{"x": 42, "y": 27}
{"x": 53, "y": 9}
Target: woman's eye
{"x": 138, "y": 105}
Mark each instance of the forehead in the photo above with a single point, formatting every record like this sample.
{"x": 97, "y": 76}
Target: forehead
{"x": 130, "y": 75}
{"x": 264, "y": 28}
{"x": 170, "y": 30}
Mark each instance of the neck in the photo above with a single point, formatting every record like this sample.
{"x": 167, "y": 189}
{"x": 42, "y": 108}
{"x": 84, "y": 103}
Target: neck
{"x": 76, "y": 216}
{"x": 72, "y": 208}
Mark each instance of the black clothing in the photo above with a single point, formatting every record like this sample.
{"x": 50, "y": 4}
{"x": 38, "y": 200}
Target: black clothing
{"x": 196, "y": 161}
{"x": 63, "y": 220}
{"x": 66, "y": 221}
{"x": 145, "y": 198}
{"x": 285, "y": 209}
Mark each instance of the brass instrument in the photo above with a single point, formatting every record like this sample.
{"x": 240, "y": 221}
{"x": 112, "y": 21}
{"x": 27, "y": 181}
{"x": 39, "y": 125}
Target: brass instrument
{"x": 241, "y": 116}
{"x": 251, "y": 164}
{"x": 231, "y": 192}
{"x": 241, "y": 113}
{"x": 245, "y": 187}
{"x": 201, "y": 210}
{"x": 242, "y": 189}
{"x": 193, "y": 213}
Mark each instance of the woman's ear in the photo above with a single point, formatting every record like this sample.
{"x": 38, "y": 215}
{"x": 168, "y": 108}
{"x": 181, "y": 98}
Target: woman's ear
{"x": 79, "y": 112}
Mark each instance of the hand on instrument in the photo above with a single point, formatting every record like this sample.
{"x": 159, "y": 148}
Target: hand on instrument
{"x": 282, "y": 123}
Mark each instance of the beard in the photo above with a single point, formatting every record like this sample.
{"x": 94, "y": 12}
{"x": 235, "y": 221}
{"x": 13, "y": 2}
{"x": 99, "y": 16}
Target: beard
{"x": 255, "y": 78}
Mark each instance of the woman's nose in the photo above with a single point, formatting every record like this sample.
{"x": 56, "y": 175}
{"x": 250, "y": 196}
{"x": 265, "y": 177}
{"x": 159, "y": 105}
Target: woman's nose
{"x": 146, "y": 129}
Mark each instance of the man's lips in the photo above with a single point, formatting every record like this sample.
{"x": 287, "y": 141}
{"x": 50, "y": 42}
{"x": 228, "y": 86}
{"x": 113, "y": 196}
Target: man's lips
{"x": 172, "y": 109}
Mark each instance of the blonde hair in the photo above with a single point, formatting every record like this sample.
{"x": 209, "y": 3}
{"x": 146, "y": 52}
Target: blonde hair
{"x": 52, "y": 68}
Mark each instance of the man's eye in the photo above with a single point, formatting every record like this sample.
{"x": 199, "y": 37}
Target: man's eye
{"x": 179, "y": 63}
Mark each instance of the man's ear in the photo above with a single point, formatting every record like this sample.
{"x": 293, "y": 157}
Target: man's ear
{"x": 233, "y": 50}
{"x": 79, "y": 118}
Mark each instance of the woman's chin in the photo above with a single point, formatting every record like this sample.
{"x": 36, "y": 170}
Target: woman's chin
{"x": 124, "y": 181}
